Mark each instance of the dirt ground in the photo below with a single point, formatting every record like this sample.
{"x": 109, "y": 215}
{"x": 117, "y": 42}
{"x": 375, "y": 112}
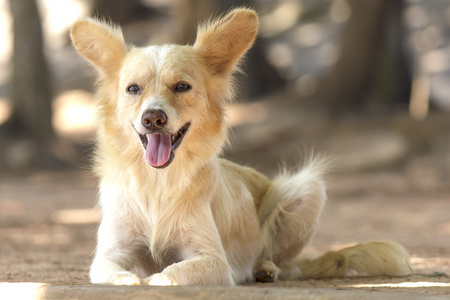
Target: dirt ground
{"x": 48, "y": 221}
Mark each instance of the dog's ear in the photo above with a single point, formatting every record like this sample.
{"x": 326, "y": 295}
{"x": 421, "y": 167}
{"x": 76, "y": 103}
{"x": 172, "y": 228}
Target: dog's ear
{"x": 224, "y": 41}
{"x": 102, "y": 44}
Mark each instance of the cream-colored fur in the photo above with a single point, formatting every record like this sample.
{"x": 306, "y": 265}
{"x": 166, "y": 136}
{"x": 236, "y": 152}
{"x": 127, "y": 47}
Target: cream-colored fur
{"x": 198, "y": 219}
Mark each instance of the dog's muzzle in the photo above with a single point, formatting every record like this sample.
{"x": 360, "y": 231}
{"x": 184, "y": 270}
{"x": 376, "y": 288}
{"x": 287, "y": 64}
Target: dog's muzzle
{"x": 159, "y": 145}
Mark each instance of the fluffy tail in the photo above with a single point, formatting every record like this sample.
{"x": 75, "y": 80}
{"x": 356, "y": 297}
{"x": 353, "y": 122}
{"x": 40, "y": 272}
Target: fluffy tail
{"x": 373, "y": 259}
{"x": 290, "y": 211}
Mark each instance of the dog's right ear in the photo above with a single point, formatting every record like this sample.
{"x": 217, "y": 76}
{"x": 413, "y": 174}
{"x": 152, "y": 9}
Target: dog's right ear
{"x": 102, "y": 44}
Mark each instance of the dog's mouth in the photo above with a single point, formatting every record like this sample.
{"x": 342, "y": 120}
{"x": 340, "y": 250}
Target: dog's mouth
{"x": 160, "y": 148}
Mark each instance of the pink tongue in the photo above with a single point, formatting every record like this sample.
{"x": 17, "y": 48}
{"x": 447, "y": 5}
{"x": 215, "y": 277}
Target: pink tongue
{"x": 159, "y": 148}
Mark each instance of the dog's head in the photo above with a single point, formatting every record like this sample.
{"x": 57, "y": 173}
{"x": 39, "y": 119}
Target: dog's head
{"x": 170, "y": 98}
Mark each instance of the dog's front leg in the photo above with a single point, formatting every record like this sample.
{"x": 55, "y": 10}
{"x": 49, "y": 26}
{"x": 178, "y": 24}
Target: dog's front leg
{"x": 118, "y": 242}
{"x": 114, "y": 256}
{"x": 105, "y": 270}
{"x": 203, "y": 257}
{"x": 202, "y": 269}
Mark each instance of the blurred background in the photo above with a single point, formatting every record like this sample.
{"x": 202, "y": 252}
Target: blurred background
{"x": 315, "y": 64}
{"x": 365, "y": 82}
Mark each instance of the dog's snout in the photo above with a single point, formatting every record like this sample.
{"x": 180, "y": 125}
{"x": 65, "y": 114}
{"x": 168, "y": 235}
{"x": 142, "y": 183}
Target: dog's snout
{"x": 154, "y": 119}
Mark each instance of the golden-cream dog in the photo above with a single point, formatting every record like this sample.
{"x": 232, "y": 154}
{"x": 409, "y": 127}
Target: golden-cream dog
{"x": 173, "y": 211}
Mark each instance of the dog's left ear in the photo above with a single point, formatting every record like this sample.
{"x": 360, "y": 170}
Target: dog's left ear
{"x": 224, "y": 41}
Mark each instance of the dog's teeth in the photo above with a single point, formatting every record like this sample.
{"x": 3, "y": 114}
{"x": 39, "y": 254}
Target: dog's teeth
{"x": 173, "y": 138}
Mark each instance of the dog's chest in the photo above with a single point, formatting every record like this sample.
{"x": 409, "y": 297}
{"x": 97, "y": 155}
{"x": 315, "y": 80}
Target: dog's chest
{"x": 159, "y": 232}
{"x": 162, "y": 244}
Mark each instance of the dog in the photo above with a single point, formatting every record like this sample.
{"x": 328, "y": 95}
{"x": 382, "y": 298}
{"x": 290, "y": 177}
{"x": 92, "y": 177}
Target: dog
{"x": 174, "y": 212}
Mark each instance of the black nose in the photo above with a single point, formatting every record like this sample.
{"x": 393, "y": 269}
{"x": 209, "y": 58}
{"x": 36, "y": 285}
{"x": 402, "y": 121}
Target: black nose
{"x": 154, "y": 119}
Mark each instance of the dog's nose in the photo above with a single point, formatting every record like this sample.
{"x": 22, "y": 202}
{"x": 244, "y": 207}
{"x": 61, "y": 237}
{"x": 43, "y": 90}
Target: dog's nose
{"x": 154, "y": 119}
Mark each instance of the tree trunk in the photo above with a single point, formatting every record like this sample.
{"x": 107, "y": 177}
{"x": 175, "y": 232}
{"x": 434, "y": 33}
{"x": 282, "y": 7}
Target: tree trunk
{"x": 29, "y": 87}
{"x": 350, "y": 78}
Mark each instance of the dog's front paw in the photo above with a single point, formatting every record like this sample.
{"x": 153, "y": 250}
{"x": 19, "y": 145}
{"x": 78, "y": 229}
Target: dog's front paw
{"x": 125, "y": 278}
{"x": 159, "y": 279}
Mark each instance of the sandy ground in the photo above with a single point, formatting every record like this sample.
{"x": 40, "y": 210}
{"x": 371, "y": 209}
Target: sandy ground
{"x": 48, "y": 221}
{"x": 47, "y": 227}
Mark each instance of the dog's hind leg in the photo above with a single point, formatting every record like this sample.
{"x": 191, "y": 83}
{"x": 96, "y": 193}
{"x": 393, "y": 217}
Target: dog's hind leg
{"x": 289, "y": 215}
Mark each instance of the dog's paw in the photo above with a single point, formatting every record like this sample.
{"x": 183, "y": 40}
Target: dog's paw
{"x": 125, "y": 278}
{"x": 267, "y": 271}
{"x": 159, "y": 279}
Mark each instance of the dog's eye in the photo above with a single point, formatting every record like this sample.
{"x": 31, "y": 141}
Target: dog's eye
{"x": 182, "y": 87}
{"x": 134, "y": 89}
